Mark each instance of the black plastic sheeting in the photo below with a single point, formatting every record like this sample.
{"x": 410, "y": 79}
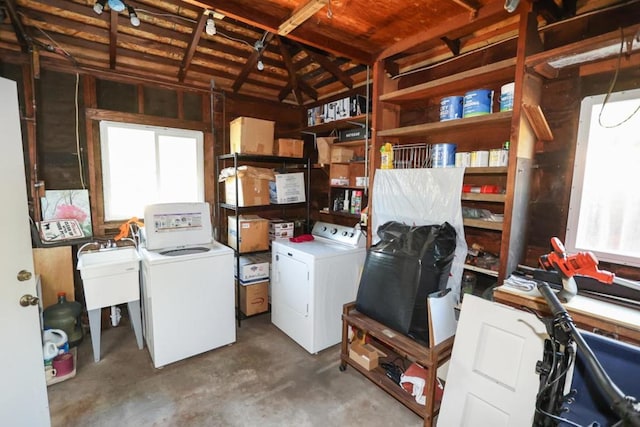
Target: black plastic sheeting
{"x": 408, "y": 263}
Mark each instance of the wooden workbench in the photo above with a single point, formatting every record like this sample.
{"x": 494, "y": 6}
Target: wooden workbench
{"x": 593, "y": 315}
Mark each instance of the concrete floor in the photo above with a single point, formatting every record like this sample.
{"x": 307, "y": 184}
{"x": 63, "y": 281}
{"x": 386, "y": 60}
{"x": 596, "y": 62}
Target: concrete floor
{"x": 264, "y": 379}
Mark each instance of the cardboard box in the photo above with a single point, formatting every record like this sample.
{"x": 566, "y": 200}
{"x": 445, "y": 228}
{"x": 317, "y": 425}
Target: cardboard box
{"x": 251, "y": 136}
{"x": 323, "y": 145}
{"x": 287, "y": 147}
{"x": 280, "y": 235}
{"x": 364, "y": 355}
{"x": 253, "y": 186}
{"x": 254, "y": 298}
{"x": 254, "y": 267}
{"x": 287, "y": 188}
{"x": 341, "y": 154}
{"x": 278, "y": 225}
{"x": 254, "y": 233}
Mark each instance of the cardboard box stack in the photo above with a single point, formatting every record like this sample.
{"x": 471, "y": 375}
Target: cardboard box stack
{"x": 254, "y": 278}
{"x": 280, "y": 229}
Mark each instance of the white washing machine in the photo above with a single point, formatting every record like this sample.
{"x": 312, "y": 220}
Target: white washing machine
{"x": 187, "y": 283}
{"x": 311, "y": 281}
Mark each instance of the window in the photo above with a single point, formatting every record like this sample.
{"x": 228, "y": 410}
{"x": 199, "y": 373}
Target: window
{"x": 604, "y": 210}
{"x": 142, "y": 165}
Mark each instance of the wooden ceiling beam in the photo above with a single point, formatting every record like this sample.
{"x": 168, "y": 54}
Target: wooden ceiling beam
{"x": 492, "y": 12}
{"x": 470, "y": 6}
{"x": 329, "y": 66}
{"x": 191, "y": 48}
{"x": 257, "y": 18}
{"x": 288, "y": 64}
{"x": 301, "y": 14}
{"x": 19, "y": 30}
{"x": 250, "y": 64}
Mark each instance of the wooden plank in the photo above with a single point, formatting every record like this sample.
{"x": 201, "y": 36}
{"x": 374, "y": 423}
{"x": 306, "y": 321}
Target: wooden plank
{"x": 55, "y": 267}
{"x": 98, "y": 114}
{"x": 191, "y": 48}
{"x": 538, "y": 122}
{"x": 480, "y": 197}
{"x": 471, "y": 124}
{"x": 478, "y": 223}
{"x": 492, "y": 12}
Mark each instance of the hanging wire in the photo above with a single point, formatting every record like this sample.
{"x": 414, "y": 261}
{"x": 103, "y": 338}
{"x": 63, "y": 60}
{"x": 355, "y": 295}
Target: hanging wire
{"x": 193, "y": 21}
{"x": 78, "y": 150}
{"x": 613, "y": 83}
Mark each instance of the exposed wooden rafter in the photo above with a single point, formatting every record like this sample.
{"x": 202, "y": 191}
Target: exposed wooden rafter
{"x": 251, "y": 63}
{"x": 301, "y": 14}
{"x": 329, "y": 66}
{"x": 288, "y": 63}
{"x": 191, "y": 48}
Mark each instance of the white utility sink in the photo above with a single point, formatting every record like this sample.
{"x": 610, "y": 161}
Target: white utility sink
{"x": 110, "y": 276}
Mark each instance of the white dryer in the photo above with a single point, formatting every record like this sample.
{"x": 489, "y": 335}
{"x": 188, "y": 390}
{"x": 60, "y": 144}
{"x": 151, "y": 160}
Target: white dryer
{"x": 312, "y": 280}
{"x": 187, "y": 283}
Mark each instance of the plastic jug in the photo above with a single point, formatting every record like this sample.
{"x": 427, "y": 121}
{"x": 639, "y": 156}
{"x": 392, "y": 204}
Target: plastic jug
{"x": 49, "y": 350}
{"x": 65, "y": 315}
{"x": 386, "y": 156}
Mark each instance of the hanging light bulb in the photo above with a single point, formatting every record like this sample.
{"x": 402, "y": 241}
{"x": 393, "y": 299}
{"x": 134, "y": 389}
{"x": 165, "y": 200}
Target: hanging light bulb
{"x": 211, "y": 25}
{"x": 98, "y": 7}
{"x": 260, "y": 65}
{"x": 133, "y": 17}
{"x": 116, "y": 5}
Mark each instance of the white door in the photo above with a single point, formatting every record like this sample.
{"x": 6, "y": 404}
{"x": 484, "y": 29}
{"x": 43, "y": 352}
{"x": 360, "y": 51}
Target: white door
{"x": 492, "y": 378}
{"x": 23, "y": 389}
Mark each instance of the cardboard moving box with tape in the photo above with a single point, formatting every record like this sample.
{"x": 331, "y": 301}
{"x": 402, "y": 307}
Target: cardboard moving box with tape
{"x": 253, "y": 185}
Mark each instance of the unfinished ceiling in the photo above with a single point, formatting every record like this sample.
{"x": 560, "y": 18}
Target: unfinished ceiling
{"x": 306, "y": 49}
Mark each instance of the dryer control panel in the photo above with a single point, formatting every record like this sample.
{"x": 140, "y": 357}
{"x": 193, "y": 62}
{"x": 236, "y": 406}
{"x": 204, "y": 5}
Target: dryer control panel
{"x": 339, "y": 233}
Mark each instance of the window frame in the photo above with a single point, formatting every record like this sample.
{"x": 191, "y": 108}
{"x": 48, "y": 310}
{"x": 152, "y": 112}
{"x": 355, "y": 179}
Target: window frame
{"x": 103, "y": 173}
{"x": 587, "y": 108}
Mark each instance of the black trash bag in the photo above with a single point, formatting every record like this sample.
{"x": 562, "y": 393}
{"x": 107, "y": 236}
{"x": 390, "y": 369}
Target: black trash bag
{"x": 409, "y": 263}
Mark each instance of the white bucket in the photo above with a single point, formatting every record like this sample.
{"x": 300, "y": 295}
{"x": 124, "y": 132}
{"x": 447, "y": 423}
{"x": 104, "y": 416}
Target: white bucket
{"x": 506, "y": 97}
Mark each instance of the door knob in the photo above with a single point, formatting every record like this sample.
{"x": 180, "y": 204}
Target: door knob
{"x": 24, "y": 275}
{"x": 27, "y": 300}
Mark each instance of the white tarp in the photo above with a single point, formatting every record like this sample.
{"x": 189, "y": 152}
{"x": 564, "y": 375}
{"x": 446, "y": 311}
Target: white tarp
{"x": 422, "y": 197}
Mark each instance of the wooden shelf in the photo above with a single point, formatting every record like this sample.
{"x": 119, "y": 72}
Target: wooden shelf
{"x": 396, "y": 345}
{"x": 479, "y": 223}
{"x": 498, "y": 170}
{"x": 469, "y": 124}
{"x": 341, "y": 213}
{"x": 349, "y": 187}
{"x": 484, "y": 197}
{"x": 455, "y": 84}
{"x": 481, "y": 270}
{"x": 354, "y": 143}
{"x": 243, "y": 209}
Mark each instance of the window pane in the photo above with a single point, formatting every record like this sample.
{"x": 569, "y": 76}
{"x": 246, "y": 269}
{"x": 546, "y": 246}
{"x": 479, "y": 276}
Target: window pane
{"x": 131, "y": 172}
{"x": 605, "y": 204}
{"x": 177, "y": 161}
{"x": 142, "y": 165}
